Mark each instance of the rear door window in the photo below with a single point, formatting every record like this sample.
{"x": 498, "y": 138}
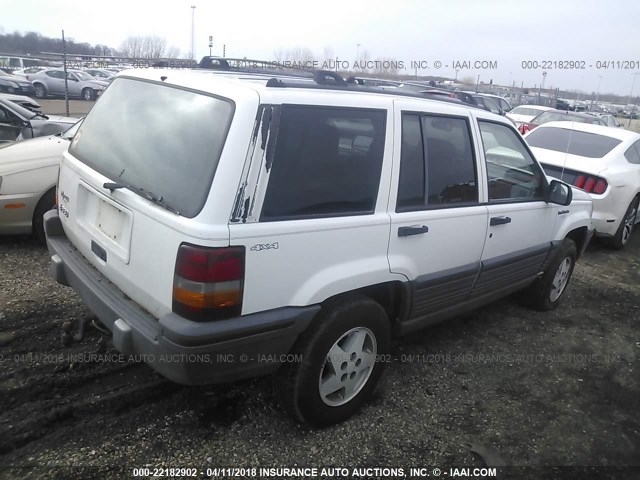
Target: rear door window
{"x": 437, "y": 166}
{"x": 327, "y": 162}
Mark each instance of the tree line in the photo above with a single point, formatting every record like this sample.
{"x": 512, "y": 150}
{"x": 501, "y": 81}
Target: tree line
{"x": 33, "y": 43}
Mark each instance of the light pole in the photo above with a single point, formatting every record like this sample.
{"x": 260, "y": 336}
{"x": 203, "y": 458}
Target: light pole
{"x": 193, "y": 16}
{"x": 544, "y": 76}
{"x": 633, "y": 83}
{"x": 597, "y": 95}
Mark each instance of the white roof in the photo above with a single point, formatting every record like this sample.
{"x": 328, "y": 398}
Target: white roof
{"x": 214, "y": 82}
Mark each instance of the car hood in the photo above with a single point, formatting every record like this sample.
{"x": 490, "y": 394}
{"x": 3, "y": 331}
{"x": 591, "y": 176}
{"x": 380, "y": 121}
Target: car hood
{"x": 573, "y": 162}
{"x": 15, "y": 78}
{"x": 33, "y": 153}
{"x": 61, "y": 119}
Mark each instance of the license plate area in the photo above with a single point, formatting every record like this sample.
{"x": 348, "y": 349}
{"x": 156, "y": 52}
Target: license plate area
{"x": 107, "y": 223}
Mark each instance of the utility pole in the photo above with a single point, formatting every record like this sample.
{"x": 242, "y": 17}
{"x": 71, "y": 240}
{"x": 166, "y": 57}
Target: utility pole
{"x": 193, "y": 16}
{"x": 210, "y": 43}
{"x": 64, "y": 64}
{"x": 629, "y": 101}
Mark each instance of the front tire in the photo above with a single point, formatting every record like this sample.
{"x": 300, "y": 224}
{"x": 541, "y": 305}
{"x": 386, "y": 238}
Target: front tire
{"x": 547, "y": 291}
{"x": 623, "y": 234}
{"x": 46, "y": 203}
{"x": 340, "y": 362}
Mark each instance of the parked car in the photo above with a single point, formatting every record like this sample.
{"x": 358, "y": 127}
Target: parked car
{"x": 26, "y": 72}
{"x": 604, "y": 162}
{"x": 609, "y": 120}
{"x": 504, "y": 105}
{"x": 28, "y": 175}
{"x": 526, "y": 113}
{"x": 489, "y": 104}
{"x": 15, "y": 84}
{"x": 100, "y": 74}
{"x": 22, "y": 100}
{"x": 560, "y": 116}
{"x": 17, "y": 122}
{"x": 50, "y": 82}
{"x": 308, "y": 223}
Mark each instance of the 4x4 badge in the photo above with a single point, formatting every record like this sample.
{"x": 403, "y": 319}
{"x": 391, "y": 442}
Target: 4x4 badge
{"x": 264, "y": 246}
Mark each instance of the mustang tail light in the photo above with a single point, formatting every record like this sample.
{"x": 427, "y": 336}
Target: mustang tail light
{"x": 591, "y": 184}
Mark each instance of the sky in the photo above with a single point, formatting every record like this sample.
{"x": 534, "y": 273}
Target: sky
{"x": 558, "y": 35}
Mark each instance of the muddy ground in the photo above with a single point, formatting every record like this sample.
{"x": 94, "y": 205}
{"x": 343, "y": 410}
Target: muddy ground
{"x": 552, "y": 389}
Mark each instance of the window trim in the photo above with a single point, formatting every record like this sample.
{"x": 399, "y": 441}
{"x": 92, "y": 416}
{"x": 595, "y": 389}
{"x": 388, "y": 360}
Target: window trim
{"x": 422, "y": 114}
{"x": 274, "y": 132}
{"x": 545, "y": 181}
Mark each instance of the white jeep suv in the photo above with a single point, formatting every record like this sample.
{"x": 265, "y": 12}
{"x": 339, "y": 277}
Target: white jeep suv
{"x": 224, "y": 226}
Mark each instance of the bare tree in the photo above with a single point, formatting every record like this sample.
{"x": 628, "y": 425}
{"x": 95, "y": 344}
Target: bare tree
{"x": 145, "y": 47}
{"x": 468, "y": 80}
{"x": 172, "y": 52}
{"x": 297, "y": 54}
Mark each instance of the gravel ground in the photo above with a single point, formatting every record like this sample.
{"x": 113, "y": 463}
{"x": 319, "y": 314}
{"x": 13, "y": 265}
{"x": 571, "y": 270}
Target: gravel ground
{"x": 555, "y": 389}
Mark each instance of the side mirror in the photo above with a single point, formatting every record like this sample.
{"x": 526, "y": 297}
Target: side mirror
{"x": 559, "y": 193}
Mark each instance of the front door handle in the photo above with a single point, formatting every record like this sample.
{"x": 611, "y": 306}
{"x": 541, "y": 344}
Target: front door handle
{"x": 499, "y": 220}
{"x": 412, "y": 230}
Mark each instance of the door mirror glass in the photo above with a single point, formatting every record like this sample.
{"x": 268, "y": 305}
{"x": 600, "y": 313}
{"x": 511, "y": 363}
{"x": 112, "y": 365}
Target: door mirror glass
{"x": 560, "y": 193}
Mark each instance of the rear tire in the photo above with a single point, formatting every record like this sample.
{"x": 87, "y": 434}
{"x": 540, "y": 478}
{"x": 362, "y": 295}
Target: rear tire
{"x": 547, "y": 291}
{"x": 40, "y": 90}
{"x": 46, "y": 203}
{"x": 340, "y": 365}
{"x": 623, "y": 234}
{"x": 88, "y": 94}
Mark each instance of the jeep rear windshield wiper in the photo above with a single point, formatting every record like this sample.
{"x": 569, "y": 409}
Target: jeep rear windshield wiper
{"x": 158, "y": 200}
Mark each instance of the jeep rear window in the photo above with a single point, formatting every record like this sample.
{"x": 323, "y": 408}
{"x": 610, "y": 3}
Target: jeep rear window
{"x": 574, "y": 142}
{"x": 327, "y": 162}
{"x": 159, "y": 138}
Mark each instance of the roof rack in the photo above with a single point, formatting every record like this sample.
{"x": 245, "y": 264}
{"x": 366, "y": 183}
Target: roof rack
{"x": 247, "y": 65}
{"x": 322, "y": 81}
{"x": 309, "y": 78}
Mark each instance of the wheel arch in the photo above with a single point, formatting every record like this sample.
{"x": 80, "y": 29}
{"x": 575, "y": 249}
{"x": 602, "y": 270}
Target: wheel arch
{"x": 393, "y": 296}
{"x": 580, "y": 237}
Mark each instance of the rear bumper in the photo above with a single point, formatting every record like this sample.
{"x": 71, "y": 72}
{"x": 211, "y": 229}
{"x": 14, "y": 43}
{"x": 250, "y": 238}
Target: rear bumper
{"x": 184, "y": 351}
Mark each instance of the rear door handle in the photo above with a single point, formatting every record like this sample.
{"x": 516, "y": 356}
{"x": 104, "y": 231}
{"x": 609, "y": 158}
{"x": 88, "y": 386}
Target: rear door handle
{"x": 499, "y": 220}
{"x": 412, "y": 230}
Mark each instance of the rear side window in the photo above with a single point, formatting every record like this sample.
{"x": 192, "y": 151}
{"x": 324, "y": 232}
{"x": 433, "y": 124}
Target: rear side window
{"x": 633, "y": 154}
{"x": 327, "y": 162}
{"x": 159, "y": 138}
{"x": 574, "y": 142}
{"x": 437, "y": 166}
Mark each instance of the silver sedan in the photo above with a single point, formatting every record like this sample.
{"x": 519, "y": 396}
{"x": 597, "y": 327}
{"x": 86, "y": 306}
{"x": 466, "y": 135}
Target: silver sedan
{"x": 50, "y": 82}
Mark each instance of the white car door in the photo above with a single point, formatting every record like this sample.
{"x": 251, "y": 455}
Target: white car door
{"x": 520, "y": 222}
{"x": 438, "y": 224}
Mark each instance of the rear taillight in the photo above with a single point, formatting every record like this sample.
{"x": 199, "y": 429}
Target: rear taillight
{"x": 527, "y": 127}
{"x": 208, "y": 282}
{"x": 591, "y": 184}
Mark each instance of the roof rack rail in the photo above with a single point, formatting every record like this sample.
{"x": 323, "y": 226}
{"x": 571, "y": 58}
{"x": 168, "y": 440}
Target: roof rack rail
{"x": 247, "y": 65}
{"x": 335, "y": 82}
